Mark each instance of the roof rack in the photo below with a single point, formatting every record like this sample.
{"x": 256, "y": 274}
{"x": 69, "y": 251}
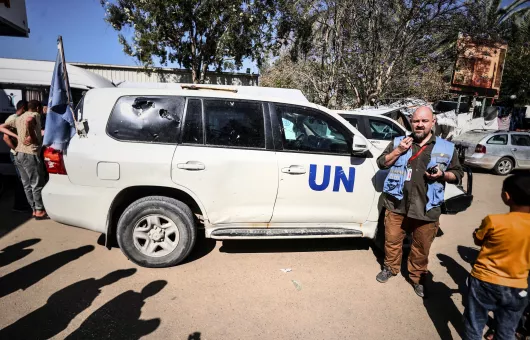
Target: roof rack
{"x": 208, "y": 87}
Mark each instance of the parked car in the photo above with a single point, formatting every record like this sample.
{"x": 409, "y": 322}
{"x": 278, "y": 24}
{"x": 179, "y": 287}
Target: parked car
{"x": 156, "y": 164}
{"x": 499, "y": 151}
{"x": 380, "y": 130}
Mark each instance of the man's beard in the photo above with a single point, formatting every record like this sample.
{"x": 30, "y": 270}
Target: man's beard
{"x": 420, "y": 135}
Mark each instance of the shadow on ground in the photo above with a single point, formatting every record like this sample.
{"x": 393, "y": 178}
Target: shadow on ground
{"x": 120, "y": 317}
{"x": 195, "y": 336}
{"x": 10, "y": 219}
{"x": 440, "y": 305}
{"x": 293, "y": 245}
{"x": 61, "y": 308}
{"x": 16, "y": 251}
{"x": 27, "y": 276}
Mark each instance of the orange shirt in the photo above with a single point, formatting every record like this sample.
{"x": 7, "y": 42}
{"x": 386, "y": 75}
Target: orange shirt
{"x": 504, "y": 258}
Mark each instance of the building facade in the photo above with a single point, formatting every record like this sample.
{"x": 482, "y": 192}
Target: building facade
{"x": 137, "y": 74}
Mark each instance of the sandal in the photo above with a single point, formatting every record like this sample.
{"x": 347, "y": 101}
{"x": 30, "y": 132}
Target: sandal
{"x": 43, "y": 217}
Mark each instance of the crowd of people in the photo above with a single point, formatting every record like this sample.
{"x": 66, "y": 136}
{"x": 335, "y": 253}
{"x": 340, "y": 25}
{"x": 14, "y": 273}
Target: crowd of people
{"x": 23, "y": 132}
{"x": 419, "y": 166}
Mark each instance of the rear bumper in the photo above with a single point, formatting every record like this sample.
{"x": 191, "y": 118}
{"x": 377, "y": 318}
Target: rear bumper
{"x": 77, "y": 205}
{"x": 482, "y": 161}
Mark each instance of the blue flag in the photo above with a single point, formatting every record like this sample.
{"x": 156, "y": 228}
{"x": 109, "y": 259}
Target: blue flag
{"x": 60, "y": 124}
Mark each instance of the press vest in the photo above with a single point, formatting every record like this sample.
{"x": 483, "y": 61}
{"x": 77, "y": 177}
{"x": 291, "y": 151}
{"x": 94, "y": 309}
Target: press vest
{"x": 441, "y": 155}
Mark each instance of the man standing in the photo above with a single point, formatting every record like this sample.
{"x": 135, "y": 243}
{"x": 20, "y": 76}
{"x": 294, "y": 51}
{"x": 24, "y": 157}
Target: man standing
{"x": 413, "y": 194}
{"x": 20, "y": 204}
{"x": 27, "y": 159}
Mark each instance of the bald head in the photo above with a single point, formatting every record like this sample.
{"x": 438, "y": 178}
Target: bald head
{"x": 423, "y": 110}
{"x": 422, "y": 121}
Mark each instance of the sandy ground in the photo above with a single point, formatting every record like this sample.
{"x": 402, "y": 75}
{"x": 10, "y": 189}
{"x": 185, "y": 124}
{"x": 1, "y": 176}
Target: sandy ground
{"x": 57, "y": 281}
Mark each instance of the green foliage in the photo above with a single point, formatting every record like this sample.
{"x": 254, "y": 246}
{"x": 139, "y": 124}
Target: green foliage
{"x": 193, "y": 33}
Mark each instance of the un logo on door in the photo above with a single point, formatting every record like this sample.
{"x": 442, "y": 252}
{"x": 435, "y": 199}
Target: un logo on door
{"x": 340, "y": 177}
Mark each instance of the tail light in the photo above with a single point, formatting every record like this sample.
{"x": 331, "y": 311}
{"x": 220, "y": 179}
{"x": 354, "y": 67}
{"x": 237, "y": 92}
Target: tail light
{"x": 54, "y": 161}
{"x": 480, "y": 149}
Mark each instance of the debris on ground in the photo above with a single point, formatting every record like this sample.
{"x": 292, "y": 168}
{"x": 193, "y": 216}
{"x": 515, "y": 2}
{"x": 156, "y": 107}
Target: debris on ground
{"x": 286, "y": 270}
{"x": 297, "y": 285}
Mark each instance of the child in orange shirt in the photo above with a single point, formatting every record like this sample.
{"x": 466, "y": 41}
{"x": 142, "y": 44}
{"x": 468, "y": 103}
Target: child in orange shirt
{"x": 498, "y": 280}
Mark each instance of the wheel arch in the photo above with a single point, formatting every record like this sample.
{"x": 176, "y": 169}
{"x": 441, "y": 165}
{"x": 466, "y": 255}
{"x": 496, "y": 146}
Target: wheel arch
{"x": 131, "y": 194}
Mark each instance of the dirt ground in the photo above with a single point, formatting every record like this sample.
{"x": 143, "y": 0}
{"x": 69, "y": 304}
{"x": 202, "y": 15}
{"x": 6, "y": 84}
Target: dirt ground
{"x": 56, "y": 281}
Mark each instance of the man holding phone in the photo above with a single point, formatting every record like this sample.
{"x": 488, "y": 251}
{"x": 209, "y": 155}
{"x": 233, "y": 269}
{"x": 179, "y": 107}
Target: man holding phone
{"x": 420, "y": 165}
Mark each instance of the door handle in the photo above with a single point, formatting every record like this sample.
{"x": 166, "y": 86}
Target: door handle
{"x": 191, "y": 165}
{"x": 514, "y": 149}
{"x": 294, "y": 170}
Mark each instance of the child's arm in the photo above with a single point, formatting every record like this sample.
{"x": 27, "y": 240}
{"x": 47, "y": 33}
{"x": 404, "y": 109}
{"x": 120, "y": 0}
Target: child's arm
{"x": 481, "y": 234}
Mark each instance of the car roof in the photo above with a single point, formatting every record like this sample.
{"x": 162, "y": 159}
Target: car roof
{"x": 224, "y": 92}
{"x": 293, "y": 94}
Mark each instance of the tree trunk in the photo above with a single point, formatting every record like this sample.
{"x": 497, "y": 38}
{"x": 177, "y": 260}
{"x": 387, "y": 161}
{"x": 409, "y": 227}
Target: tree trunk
{"x": 194, "y": 76}
{"x": 203, "y": 73}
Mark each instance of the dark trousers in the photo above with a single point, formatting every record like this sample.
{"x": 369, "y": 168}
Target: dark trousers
{"x": 507, "y": 304}
{"x": 21, "y": 203}
{"x": 423, "y": 234}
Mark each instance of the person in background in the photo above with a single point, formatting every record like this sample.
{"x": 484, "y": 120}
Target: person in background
{"x": 28, "y": 159}
{"x": 420, "y": 165}
{"x": 20, "y": 204}
{"x": 498, "y": 280}
{"x": 43, "y": 113}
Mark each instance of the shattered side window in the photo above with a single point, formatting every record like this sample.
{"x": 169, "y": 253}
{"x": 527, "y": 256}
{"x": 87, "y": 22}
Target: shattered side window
{"x": 149, "y": 119}
{"x": 234, "y": 123}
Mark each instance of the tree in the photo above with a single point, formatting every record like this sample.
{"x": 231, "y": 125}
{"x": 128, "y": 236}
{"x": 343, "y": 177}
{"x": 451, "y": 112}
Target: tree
{"x": 517, "y": 7}
{"x": 366, "y": 44}
{"x": 196, "y": 34}
{"x": 516, "y": 77}
{"x": 309, "y": 76}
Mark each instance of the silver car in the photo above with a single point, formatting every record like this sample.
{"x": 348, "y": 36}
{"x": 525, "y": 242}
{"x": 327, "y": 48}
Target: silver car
{"x": 500, "y": 151}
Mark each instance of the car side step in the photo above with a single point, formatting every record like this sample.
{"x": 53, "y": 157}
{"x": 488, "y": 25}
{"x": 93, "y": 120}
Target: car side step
{"x": 288, "y": 233}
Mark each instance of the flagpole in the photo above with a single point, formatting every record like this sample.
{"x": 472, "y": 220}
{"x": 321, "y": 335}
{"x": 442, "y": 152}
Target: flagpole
{"x": 66, "y": 81}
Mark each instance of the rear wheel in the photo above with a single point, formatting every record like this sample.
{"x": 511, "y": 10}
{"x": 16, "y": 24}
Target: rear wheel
{"x": 504, "y": 166}
{"x": 156, "y": 231}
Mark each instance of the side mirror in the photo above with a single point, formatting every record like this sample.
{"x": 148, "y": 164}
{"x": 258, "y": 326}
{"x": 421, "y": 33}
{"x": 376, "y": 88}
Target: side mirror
{"x": 359, "y": 146}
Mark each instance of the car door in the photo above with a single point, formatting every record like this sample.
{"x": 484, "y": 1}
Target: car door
{"x": 382, "y": 131}
{"x": 521, "y": 149}
{"x": 320, "y": 180}
{"x": 224, "y": 160}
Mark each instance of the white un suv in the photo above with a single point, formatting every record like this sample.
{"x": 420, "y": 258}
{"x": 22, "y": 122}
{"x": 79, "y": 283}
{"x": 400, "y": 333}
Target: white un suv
{"x": 156, "y": 164}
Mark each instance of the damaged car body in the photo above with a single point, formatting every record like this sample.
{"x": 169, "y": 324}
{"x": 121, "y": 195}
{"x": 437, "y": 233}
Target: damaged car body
{"x": 158, "y": 164}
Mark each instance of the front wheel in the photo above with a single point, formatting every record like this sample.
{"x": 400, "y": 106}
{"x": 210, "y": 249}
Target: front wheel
{"x": 504, "y": 166}
{"x": 156, "y": 231}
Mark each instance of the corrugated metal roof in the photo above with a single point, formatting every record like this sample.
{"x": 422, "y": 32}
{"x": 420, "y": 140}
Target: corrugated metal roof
{"x": 38, "y": 72}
